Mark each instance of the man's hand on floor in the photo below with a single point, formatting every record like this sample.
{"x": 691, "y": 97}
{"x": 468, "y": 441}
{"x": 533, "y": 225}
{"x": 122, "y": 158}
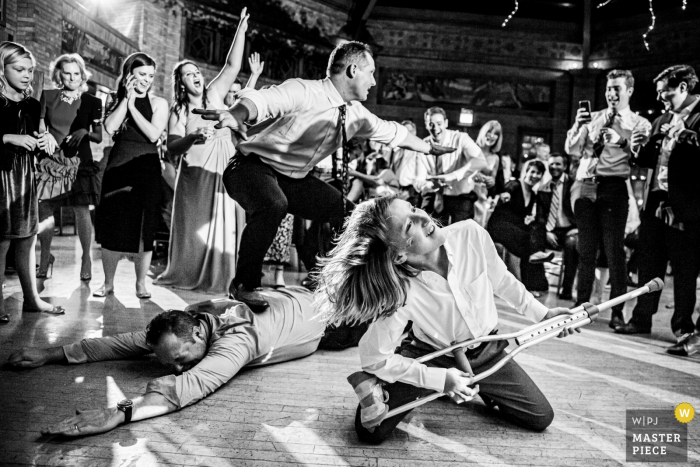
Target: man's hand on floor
{"x": 87, "y": 422}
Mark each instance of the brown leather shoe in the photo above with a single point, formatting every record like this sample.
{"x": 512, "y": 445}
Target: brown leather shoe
{"x": 254, "y": 299}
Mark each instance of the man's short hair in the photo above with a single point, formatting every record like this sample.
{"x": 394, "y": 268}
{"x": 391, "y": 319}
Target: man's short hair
{"x": 174, "y": 322}
{"x": 629, "y": 79}
{"x": 409, "y": 122}
{"x": 562, "y": 155}
{"x": 536, "y": 164}
{"x": 677, "y": 74}
{"x": 435, "y": 110}
{"x": 347, "y": 54}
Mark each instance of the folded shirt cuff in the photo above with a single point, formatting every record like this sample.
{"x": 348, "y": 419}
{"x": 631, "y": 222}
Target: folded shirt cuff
{"x": 253, "y": 101}
{"x": 167, "y": 387}
{"x": 74, "y": 353}
{"x": 401, "y": 133}
{"x": 435, "y": 378}
{"x": 535, "y": 310}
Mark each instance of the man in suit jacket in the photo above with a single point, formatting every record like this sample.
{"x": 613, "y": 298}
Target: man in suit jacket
{"x": 671, "y": 220}
{"x": 558, "y": 217}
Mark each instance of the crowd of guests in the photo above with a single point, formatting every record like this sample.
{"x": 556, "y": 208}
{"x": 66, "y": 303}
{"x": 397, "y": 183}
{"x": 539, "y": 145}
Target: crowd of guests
{"x": 577, "y": 200}
{"x": 421, "y": 239}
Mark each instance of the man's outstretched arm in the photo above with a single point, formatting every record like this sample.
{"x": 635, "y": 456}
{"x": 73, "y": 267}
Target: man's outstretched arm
{"x": 91, "y": 422}
{"x": 127, "y": 345}
{"x": 34, "y": 358}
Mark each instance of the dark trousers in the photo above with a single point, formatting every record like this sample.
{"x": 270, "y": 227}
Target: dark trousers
{"x": 603, "y": 219}
{"x": 518, "y": 398}
{"x": 684, "y": 253}
{"x": 267, "y": 196}
{"x": 568, "y": 241}
{"x": 455, "y": 208}
{"x": 653, "y": 250}
{"x": 522, "y": 241}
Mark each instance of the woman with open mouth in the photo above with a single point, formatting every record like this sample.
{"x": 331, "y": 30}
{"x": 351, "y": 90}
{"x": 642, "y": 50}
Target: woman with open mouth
{"x": 206, "y": 222}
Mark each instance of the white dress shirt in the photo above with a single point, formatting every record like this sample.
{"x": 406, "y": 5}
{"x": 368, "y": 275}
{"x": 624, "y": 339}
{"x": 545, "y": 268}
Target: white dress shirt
{"x": 466, "y": 160}
{"x": 297, "y": 125}
{"x": 444, "y": 311}
{"x": 614, "y": 160}
{"x": 404, "y": 164}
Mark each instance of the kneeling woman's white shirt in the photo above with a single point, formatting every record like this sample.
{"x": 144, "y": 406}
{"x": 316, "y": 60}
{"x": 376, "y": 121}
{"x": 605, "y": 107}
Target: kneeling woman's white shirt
{"x": 444, "y": 311}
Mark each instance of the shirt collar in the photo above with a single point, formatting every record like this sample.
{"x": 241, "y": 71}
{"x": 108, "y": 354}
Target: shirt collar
{"x": 626, "y": 112}
{"x": 689, "y": 108}
{"x": 332, "y": 93}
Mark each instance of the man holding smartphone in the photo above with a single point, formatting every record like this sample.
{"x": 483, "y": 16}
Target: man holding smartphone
{"x": 605, "y": 140}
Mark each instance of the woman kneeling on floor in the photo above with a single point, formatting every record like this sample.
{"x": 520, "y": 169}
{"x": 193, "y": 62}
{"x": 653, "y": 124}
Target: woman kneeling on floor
{"x": 393, "y": 264}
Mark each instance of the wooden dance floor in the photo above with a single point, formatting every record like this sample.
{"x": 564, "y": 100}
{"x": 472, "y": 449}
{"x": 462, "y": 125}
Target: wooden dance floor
{"x": 302, "y": 412}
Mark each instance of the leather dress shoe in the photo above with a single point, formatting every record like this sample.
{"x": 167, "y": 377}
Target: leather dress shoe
{"x": 254, "y": 299}
{"x": 631, "y": 328}
{"x": 566, "y": 295}
{"x": 687, "y": 346}
{"x": 616, "y": 321}
{"x": 309, "y": 282}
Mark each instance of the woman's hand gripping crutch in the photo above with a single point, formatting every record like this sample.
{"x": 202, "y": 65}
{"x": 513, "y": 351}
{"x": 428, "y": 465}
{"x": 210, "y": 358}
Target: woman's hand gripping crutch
{"x": 547, "y": 329}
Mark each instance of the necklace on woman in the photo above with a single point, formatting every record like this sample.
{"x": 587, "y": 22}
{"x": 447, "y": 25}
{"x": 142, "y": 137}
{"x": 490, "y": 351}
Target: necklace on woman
{"x": 69, "y": 98}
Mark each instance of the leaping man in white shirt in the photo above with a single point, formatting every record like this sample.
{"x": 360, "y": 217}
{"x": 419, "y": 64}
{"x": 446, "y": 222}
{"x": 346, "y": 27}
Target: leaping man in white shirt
{"x": 294, "y": 126}
{"x": 393, "y": 264}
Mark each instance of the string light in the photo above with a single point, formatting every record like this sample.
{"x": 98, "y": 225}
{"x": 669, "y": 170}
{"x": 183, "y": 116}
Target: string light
{"x": 512, "y": 13}
{"x": 685, "y": 4}
{"x": 651, "y": 26}
{"x": 600, "y": 5}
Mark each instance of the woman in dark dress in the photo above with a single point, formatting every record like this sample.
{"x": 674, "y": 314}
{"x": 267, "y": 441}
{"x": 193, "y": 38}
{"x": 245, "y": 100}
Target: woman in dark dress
{"x": 129, "y": 210}
{"x": 19, "y": 125}
{"x": 517, "y": 225}
{"x": 67, "y": 174}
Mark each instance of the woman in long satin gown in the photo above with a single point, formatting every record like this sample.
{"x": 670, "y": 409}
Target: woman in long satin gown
{"x": 206, "y": 222}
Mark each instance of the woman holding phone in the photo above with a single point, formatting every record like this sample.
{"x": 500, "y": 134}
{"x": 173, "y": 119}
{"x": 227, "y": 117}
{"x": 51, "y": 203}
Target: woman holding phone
{"x": 129, "y": 212}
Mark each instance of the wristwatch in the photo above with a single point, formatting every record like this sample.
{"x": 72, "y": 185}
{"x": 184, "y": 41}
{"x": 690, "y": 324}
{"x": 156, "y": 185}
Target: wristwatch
{"x": 126, "y": 406}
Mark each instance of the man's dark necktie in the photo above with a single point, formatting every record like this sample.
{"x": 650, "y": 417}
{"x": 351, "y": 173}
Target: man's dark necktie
{"x": 346, "y": 157}
{"x": 600, "y": 142}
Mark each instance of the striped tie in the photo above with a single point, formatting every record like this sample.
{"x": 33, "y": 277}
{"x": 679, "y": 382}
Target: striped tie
{"x": 553, "y": 210}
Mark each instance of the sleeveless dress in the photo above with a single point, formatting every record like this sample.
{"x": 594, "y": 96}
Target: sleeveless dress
{"x": 19, "y": 209}
{"x": 206, "y": 222}
{"x": 129, "y": 210}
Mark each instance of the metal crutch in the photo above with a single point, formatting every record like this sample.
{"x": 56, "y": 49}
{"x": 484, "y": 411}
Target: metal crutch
{"x": 580, "y": 316}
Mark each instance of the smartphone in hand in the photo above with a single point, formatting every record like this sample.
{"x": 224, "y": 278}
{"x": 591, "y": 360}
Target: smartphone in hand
{"x": 586, "y": 105}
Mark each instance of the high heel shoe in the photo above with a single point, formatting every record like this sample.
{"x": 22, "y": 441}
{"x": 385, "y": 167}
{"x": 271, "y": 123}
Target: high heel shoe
{"x": 143, "y": 295}
{"x": 56, "y": 310}
{"x": 43, "y": 273}
{"x": 102, "y": 292}
{"x": 279, "y": 278}
{"x": 86, "y": 276}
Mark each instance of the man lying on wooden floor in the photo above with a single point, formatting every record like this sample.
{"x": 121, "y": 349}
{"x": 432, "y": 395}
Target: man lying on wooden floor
{"x": 205, "y": 350}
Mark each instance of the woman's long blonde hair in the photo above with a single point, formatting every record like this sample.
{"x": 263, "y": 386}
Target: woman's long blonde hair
{"x": 360, "y": 279}
{"x": 10, "y": 52}
{"x": 488, "y": 126}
